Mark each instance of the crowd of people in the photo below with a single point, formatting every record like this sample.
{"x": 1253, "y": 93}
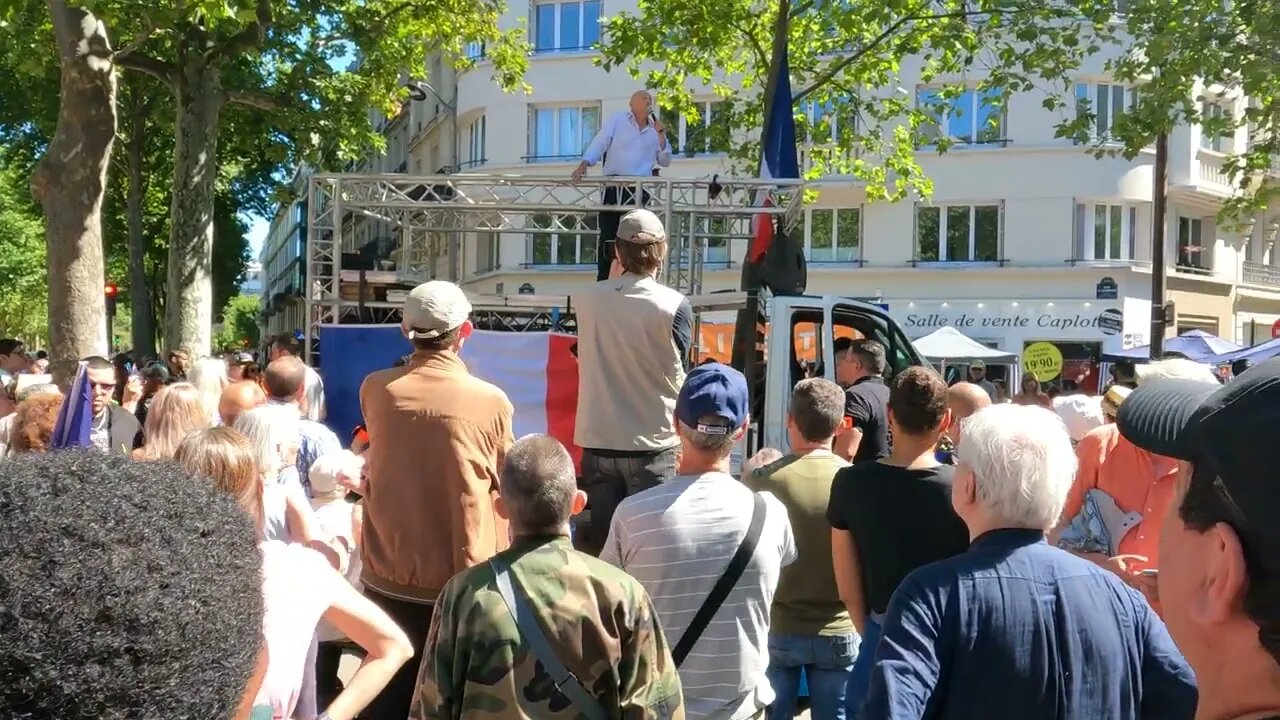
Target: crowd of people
{"x": 917, "y": 550}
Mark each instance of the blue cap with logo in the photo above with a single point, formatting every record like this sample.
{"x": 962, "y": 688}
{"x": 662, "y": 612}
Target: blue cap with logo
{"x": 713, "y": 391}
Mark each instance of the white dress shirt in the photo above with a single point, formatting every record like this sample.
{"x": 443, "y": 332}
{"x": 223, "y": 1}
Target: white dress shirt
{"x": 632, "y": 150}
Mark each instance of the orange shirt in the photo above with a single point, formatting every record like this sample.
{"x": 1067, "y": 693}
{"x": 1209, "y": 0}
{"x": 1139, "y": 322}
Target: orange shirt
{"x": 1137, "y": 480}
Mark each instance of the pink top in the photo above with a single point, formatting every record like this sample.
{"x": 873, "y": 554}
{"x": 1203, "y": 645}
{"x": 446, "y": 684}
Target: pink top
{"x": 297, "y": 588}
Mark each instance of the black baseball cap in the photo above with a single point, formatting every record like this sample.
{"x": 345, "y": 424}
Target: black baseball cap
{"x": 1228, "y": 433}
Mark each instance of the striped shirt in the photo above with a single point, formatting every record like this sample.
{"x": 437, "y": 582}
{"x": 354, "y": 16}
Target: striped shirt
{"x": 677, "y": 539}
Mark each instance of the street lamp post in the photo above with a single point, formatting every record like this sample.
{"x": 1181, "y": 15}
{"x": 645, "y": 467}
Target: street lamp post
{"x": 1159, "y": 224}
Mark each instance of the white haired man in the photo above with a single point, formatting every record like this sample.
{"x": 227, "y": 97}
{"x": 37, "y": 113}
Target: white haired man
{"x": 1137, "y": 483}
{"x": 630, "y": 143}
{"x": 1057, "y": 635}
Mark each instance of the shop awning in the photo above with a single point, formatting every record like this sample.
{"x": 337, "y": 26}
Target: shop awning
{"x": 1195, "y": 345}
{"x": 948, "y": 343}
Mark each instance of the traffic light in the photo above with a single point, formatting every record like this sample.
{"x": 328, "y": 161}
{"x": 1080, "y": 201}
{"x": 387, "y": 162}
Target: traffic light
{"x": 111, "y": 292}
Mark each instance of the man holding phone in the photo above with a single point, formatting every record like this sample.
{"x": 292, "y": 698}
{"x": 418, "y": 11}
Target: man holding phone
{"x": 629, "y": 143}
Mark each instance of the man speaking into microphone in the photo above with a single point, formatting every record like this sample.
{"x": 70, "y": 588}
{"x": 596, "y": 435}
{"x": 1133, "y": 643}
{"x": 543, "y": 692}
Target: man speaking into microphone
{"x": 631, "y": 142}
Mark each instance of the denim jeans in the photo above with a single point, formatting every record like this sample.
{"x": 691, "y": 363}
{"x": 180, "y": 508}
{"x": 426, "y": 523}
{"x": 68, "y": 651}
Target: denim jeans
{"x": 608, "y": 479}
{"x": 825, "y": 660}
{"x": 860, "y": 676}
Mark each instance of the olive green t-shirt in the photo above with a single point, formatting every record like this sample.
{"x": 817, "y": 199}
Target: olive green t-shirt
{"x": 807, "y": 601}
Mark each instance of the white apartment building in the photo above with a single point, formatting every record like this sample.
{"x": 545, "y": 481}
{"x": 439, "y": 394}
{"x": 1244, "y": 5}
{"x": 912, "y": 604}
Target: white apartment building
{"x": 1027, "y": 238}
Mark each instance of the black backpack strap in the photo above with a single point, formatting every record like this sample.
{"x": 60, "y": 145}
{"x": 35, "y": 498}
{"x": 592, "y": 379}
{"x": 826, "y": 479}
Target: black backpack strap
{"x": 737, "y": 565}
{"x": 531, "y": 633}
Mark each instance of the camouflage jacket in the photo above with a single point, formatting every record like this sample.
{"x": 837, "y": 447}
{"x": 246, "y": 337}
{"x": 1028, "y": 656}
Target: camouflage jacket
{"x": 599, "y": 620}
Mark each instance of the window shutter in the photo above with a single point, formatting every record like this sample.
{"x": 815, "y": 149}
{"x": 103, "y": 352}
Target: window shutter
{"x": 1000, "y": 245}
{"x": 1078, "y": 224}
{"x": 857, "y": 257}
{"x": 1132, "y": 240}
{"x": 915, "y": 232}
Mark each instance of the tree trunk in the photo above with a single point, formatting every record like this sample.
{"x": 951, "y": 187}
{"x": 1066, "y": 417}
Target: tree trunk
{"x": 189, "y": 302}
{"x": 70, "y": 182}
{"x": 140, "y": 306}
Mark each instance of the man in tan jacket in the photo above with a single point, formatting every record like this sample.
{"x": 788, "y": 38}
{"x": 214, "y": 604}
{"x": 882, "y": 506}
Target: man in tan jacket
{"x": 437, "y": 437}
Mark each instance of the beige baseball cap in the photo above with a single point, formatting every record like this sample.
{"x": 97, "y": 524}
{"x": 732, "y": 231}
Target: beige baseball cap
{"x": 434, "y": 308}
{"x": 641, "y": 227}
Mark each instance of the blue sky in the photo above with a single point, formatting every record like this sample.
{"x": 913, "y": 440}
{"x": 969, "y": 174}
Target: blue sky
{"x": 257, "y": 233}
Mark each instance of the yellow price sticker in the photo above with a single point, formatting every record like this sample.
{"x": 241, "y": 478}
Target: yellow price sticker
{"x": 1042, "y": 360}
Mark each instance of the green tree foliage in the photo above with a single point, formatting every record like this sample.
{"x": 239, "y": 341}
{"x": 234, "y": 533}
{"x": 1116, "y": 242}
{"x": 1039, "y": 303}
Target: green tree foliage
{"x": 859, "y": 62}
{"x": 1193, "y": 55}
{"x": 239, "y": 324}
{"x": 24, "y": 287}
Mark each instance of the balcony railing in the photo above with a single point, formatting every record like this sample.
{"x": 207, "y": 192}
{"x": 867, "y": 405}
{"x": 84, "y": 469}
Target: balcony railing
{"x": 1256, "y": 273}
{"x": 1211, "y": 170}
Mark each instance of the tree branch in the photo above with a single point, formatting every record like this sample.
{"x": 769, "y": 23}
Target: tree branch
{"x": 761, "y": 56}
{"x": 253, "y": 99}
{"x": 138, "y": 40}
{"x": 158, "y": 69}
{"x": 836, "y": 67}
{"x": 251, "y": 37}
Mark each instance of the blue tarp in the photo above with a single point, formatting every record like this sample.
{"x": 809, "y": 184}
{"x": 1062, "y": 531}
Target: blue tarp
{"x": 348, "y": 353}
{"x": 1256, "y": 354}
{"x": 1194, "y": 344}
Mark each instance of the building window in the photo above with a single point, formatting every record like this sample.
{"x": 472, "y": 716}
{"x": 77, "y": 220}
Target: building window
{"x": 1107, "y": 102}
{"x": 1191, "y": 250}
{"x": 832, "y": 235}
{"x": 566, "y": 25}
{"x": 975, "y": 117}
{"x": 558, "y": 134}
{"x": 1105, "y": 232}
{"x": 562, "y": 239}
{"x": 1213, "y": 138}
{"x": 708, "y": 134}
{"x": 827, "y": 121}
{"x": 488, "y": 255}
{"x": 958, "y": 233}
{"x": 476, "y": 142}
{"x": 475, "y": 50}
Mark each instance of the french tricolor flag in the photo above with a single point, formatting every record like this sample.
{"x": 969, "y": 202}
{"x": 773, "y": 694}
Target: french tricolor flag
{"x": 539, "y": 374}
{"x": 778, "y": 159}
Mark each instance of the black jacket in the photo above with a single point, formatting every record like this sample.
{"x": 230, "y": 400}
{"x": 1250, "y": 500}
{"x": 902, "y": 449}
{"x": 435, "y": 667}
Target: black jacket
{"x": 123, "y": 430}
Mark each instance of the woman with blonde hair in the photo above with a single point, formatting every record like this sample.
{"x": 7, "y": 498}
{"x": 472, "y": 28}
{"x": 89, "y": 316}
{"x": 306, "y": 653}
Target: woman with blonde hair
{"x": 177, "y": 411}
{"x": 274, "y": 432}
{"x": 299, "y": 588}
{"x": 209, "y": 376}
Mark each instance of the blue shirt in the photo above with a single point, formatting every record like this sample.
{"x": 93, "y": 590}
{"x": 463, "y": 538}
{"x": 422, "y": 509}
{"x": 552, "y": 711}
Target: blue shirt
{"x": 1015, "y": 628}
{"x": 632, "y": 150}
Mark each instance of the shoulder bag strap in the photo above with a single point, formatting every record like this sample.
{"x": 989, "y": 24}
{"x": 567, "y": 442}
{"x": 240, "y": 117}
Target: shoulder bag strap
{"x": 726, "y": 582}
{"x": 532, "y": 635}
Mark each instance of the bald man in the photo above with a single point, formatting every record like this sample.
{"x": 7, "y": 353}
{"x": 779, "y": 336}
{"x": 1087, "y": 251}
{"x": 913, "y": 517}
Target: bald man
{"x": 286, "y": 381}
{"x": 237, "y": 398}
{"x": 964, "y": 399}
{"x": 629, "y": 143}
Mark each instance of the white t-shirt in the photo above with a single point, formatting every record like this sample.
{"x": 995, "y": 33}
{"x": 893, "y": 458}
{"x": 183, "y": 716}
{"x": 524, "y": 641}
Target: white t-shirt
{"x": 315, "y": 395}
{"x": 334, "y": 519}
{"x": 297, "y": 588}
{"x": 677, "y": 539}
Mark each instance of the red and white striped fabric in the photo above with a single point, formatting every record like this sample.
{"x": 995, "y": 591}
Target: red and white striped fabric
{"x": 539, "y": 375}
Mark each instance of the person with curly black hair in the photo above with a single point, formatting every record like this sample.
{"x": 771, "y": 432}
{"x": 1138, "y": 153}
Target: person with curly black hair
{"x": 127, "y": 590}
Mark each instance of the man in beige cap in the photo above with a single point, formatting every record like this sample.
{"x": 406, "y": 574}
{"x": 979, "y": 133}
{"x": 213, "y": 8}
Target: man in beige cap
{"x": 437, "y": 437}
{"x": 634, "y": 335}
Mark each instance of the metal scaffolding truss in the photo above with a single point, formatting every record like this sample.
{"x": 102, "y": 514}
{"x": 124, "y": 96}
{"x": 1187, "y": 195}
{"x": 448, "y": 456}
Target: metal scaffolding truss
{"x": 437, "y": 217}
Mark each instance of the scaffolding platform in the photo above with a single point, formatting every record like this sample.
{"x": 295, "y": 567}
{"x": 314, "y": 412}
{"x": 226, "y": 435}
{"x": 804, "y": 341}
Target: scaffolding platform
{"x": 430, "y": 220}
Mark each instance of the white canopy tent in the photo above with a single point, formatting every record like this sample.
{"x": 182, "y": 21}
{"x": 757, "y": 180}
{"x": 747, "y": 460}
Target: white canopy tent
{"x": 949, "y": 345}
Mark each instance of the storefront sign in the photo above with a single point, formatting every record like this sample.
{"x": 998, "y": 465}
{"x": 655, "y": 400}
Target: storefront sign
{"x": 1042, "y": 360}
{"x": 967, "y": 321}
{"x": 1107, "y": 289}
